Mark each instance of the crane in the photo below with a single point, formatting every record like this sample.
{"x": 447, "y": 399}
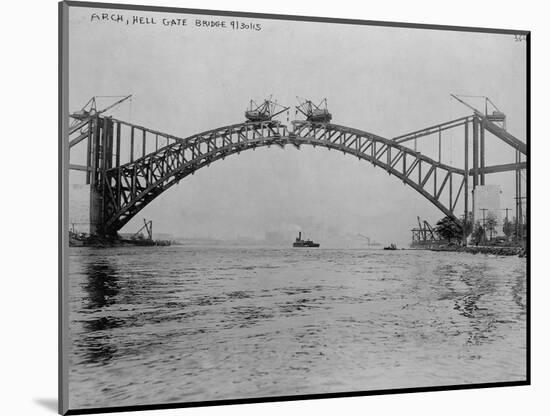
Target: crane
{"x": 264, "y": 111}
{"x": 314, "y": 112}
{"x": 148, "y": 225}
{"x": 90, "y": 108}
{"x": 495, "y": 116}
{"x": 424, "y": 232}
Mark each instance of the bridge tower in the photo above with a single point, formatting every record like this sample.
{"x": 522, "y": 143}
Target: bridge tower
{"x": 97, "y": 130}
{"x": 101, "y": 154}
{"x": 99, "y": 133}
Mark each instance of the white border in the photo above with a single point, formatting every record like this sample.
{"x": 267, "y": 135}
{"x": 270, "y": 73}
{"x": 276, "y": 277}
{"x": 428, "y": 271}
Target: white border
{"x": 29, "y": 206}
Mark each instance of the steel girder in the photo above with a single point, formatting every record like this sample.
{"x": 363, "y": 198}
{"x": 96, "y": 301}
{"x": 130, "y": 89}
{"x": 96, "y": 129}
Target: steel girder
{"x": 128, "y": 188}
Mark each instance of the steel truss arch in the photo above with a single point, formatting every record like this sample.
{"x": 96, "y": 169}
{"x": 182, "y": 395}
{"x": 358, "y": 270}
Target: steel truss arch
{"x": 128, "y": 188}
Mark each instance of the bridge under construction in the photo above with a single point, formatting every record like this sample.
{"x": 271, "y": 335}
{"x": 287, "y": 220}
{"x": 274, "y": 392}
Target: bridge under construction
{"x": 127, "y": 165}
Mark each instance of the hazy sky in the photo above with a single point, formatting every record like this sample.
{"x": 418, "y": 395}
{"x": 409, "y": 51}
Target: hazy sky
{"x": 388, "y": 81}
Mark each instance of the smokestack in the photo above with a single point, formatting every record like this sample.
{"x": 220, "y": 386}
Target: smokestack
{"x": 299, "y": 235}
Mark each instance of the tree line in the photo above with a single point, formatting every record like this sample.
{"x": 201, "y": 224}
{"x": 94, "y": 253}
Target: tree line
{"x": 451, "y": 230}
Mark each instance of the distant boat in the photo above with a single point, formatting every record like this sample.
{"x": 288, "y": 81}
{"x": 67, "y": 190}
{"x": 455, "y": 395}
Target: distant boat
{"x": 304, "y": 243}
{"x": 392, "y": 246}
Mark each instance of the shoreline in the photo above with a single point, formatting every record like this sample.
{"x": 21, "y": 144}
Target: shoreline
{"x": 97, "y": 242}
{"x": 494, "y": 250}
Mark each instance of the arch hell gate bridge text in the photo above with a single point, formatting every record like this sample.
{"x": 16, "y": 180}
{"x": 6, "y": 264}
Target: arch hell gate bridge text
{"x": 119, "y": 189}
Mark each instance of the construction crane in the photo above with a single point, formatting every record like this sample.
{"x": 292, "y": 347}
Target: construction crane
{"x": 424, "y": 233}
{"x": 314, "y": 112}
{"x": 264, "y": 111}
{"x": 90, "y": 108}
{"x": 495, "y": 116}
{"x": 427, "y": 230}
{"x": 148, "y": 225}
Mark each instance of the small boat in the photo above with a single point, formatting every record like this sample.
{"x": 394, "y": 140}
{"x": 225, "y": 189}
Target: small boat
{"x": 304, "y": 243}
{"x": 392, "y": 246}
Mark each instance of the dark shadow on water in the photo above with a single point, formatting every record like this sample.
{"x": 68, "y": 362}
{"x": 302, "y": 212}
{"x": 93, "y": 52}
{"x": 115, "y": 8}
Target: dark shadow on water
{"x": 102, "y": 324}
{"x": 49, "y": 404}
{"x": 102, "y": 285}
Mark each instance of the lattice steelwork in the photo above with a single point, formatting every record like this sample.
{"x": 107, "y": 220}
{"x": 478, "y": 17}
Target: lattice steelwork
{"x": 123, "y": 188}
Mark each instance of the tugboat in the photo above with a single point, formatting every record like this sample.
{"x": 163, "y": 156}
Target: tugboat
{"x": 304, "y": 243}
{"x": 392, "y": 246}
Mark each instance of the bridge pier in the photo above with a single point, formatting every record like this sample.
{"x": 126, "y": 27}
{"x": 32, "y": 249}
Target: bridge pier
{"x": 96, "y": 211}
{"x": 482, "y": 153}
{"x": 466, "y": 175}
{"x": 519, "y": 200}
{"x": 100, "y": 155}
{"x": 475, "y": 161}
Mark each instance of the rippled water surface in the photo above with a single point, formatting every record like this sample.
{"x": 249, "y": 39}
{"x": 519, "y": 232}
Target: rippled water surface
{"x": 171, "y": 324}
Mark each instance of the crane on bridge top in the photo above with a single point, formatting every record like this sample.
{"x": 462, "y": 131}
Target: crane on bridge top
{"x": 90, "y": 108}
{"x": 314, "y": 112}
{"x": 264, "y": 111}
{"x": 496, "y": 116}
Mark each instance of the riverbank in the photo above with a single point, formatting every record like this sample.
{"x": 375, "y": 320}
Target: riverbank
{"x": 86, "y": 240}
{"x": 494, "y": 250}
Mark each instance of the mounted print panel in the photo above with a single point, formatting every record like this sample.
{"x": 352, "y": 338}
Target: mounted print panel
{"x": 262, "y": 207}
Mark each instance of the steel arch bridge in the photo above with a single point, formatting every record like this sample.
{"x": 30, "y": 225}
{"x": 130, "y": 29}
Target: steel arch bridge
{"x": 120, "y": 189}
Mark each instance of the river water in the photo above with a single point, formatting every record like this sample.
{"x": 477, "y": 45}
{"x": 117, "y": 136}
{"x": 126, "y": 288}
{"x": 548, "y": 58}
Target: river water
{"x": 152, "y": 325}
